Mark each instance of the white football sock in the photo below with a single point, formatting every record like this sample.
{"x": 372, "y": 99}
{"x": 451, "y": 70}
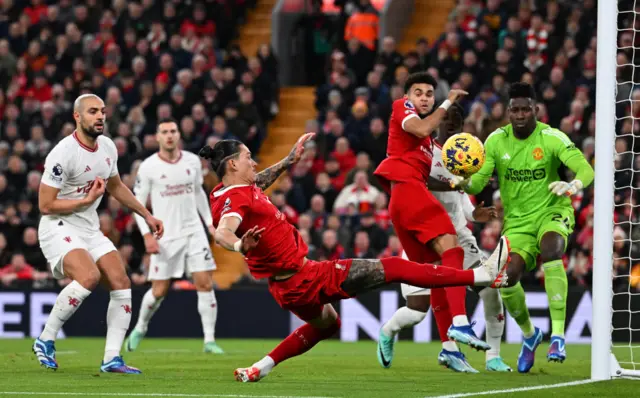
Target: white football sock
{"x": 67, "y": 303}
{"x": 494, "y": 318}
{"x": 265, "y": 365}
{"x": 481, "y": 277}
{"x": 450, "y": 345}
{"x": 403, "y": 318}
{"x": 208, "y": 309}
{"x": 460, "y": 320}
{"x": 118, "y": 320}
{"x": 148, "y": 307}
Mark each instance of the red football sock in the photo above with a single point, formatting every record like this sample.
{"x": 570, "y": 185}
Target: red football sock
{"x": 397, "y": 269}
{"x": 302, "y": 340}
{"x": 456, "y": 296}
{"x": 440, "y": 307}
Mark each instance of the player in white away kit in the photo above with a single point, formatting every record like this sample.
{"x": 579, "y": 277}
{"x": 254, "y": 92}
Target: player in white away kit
{"x": 76, "y": 173}
{"x": 174, "y": 180}
{"x": 461, "y": 211}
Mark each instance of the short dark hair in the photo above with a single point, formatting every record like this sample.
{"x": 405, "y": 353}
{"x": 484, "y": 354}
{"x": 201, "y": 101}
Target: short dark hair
{"x": 420, "y": 78}
{"x": 167, "y": 120}
{"x": 222, "y": 151}
{"x": 522, "y": 90}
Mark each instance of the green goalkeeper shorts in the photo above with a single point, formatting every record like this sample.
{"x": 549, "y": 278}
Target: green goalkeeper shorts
{"x": 526, "y": 233}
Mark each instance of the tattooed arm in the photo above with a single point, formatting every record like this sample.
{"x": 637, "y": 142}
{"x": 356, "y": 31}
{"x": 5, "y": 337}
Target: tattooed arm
{"x": 266, "y": 177}
{"x": 364, "y": 275}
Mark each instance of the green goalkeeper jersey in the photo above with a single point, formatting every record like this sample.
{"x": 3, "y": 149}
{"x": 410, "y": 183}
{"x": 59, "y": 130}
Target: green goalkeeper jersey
{"x": 526, "y": 167}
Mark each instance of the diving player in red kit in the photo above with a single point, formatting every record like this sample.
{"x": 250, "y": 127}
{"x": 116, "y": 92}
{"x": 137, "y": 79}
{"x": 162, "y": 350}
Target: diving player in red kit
{"x": 274, "y": 249}
{"x": 419, "y": 219}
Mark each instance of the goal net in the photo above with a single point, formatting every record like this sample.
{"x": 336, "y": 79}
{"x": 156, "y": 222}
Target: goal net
{"x": 616, "y": 256}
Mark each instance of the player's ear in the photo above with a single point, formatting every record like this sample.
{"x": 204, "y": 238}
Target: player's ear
{"x": 537, "y": 110}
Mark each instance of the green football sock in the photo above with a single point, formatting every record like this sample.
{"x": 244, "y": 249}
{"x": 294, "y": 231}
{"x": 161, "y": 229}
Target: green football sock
{"x": 555, "y": 283}
{"x": 514, "y": 301}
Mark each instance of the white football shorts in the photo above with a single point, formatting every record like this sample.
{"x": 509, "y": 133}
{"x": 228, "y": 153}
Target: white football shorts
{"x": 191, "y": 253}
{"x": 59, "y": 238}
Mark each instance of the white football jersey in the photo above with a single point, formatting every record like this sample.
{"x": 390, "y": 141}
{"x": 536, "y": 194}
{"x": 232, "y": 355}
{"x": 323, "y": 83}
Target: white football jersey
{"x": 176, "y": 193}
{"x": 457, "y": 204}
{"x": 72, "y": 167}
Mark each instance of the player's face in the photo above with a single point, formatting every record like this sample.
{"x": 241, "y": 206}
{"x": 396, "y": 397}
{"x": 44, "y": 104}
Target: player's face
{"x": 245, "y": 165}
{"x": 90, "y": 117}
{"x": 452, "y": 122}
{"x": 522, "y": 113}
{"x": 168, "y": 136}
{"x": 422, "y": 96}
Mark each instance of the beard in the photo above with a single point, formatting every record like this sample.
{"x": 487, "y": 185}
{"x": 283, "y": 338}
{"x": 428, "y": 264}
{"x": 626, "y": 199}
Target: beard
{"x": 91, "y": 131}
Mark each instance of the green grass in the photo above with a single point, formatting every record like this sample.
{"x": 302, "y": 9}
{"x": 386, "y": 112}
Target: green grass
{"x": 332, "y": 369}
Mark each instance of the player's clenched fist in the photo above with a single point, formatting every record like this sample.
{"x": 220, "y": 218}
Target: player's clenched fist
{"x": 456, "y": 94}
{"x": 97, "y": 189}
{"x": 156, "y": 226}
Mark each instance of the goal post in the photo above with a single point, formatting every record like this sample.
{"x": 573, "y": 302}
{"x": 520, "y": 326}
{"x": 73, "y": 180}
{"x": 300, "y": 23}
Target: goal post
{"x": 601, "y": 336}
{"x": 604, "y": 364}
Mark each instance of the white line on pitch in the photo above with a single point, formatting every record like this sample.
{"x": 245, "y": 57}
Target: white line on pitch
{"x": 521, "y": 389}
{"x": 115, "y": 394}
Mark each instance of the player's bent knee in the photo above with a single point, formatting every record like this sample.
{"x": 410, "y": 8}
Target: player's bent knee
{"x": 419, "y": 303}
{"x": 88, "y": 279}
{"x": 551, "y": 255}
{"x": 120, "y": 282}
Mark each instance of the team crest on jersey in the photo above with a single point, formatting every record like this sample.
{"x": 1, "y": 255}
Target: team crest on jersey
{"x": 108, "y": 162}
{"x": 409, "y": 105}
{"x": 538, "y": 154}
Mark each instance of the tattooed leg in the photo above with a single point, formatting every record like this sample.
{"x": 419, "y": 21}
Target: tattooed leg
{"x": 366, "y": 275}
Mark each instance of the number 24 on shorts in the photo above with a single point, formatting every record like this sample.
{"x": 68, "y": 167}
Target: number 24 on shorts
{"x": 557, "y": 217}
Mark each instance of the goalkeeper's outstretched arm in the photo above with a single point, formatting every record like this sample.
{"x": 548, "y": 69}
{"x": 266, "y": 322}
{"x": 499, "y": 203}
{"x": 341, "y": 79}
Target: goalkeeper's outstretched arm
{"x": 574, "y": 159}
{"x": 479, "y": 180}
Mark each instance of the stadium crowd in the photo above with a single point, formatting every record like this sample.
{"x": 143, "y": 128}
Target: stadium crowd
{"x": 150, "y": 60}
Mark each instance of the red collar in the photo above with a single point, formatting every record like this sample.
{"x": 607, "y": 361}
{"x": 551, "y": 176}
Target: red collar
{"x": 87, "y": 148}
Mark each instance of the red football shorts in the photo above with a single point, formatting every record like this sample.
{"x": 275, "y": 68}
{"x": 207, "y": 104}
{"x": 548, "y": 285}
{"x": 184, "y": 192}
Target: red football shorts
{"x": 314, "y": 285}
{"x": 418, "y": 217}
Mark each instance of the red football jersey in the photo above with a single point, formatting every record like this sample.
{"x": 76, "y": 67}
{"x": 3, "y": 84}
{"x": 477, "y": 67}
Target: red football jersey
{"x": 281, "y": 247}
{"x": 408, "y": 157}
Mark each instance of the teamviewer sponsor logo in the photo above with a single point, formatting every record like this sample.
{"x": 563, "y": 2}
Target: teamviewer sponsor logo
{"x": 525, "y": 175}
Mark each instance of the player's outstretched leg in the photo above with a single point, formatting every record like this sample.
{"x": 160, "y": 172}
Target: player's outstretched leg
{"x": 208, "y": 310}
{"x": 118, "y": 313}
{"x": 323, "y": 325}
{"x": 465, "y": 334}
{"x": 151, "y": 302}
{"x": 78, "y": 266}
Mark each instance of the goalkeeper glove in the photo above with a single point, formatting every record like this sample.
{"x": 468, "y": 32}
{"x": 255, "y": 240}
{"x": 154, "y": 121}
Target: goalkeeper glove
{"x": 459, "y": 183}
{"x": 565, "y": 188}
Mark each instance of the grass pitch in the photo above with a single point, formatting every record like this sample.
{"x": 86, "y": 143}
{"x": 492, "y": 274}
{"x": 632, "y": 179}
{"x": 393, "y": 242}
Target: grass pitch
{"x": 178, "y": 368}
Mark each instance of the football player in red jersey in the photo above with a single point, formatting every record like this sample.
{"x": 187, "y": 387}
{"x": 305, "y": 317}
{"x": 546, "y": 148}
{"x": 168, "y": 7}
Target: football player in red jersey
{"x": 247, "y": 222}
{"x": 420, "y": 220}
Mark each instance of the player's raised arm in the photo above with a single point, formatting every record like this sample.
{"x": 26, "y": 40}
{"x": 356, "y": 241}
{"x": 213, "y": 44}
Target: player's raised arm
{"x": 123, "y": 194}
{"x": 266, "y": 177}
{"x": 479, "y": 180}
{"x": 425, "y": 127}
{"x": 571, "y": 157}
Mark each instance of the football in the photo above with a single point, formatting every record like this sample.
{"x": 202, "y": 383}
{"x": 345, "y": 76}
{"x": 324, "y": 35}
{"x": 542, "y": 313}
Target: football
{"x": 463, "y": 154}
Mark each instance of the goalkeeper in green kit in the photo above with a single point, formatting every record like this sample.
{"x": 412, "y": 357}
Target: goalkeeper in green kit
{"x": 538, "y": 216}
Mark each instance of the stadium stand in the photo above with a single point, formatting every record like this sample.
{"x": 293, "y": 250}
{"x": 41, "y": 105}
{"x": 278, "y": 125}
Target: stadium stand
{"x": 149, "y": 61}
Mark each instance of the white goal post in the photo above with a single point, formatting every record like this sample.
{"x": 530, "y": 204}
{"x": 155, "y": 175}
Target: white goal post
{"x": 604, "y": 364}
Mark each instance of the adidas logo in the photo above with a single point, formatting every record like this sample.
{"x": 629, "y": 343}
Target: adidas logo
{"x": 506, "y": 157}
{"x": 556, "y": 297}
{"x": 87, "y": 169}
{"x": 439, "y": 164}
